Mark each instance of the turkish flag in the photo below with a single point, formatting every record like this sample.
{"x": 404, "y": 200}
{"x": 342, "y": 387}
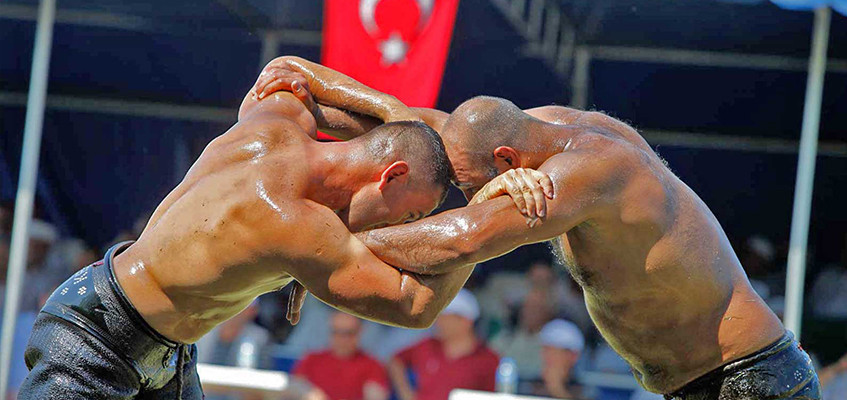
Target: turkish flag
{"x": 395, "y": 46}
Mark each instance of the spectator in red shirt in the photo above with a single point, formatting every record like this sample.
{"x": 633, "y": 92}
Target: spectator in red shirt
{"x": 453, "y": 359}
{"x": 344, "y": 372}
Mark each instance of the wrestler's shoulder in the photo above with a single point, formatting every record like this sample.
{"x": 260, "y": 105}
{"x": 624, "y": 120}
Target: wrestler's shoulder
{"x": 596, "y": 158}
{"x": 600, "y": 146}
{"x": 555, "y": 114}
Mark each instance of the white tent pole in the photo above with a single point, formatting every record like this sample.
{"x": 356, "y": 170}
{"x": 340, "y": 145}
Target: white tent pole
{"x": 26, "y": 183}
{"x": 796, "y": 274}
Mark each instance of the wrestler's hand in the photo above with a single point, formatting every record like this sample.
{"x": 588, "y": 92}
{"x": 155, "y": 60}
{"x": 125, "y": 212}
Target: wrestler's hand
{"x": 276, "y": 77}
{"x": 528, "y": 188}
{"x": 295, "y": 302}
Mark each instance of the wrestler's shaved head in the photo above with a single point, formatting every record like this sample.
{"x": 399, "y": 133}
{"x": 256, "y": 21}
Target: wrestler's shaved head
{"x": 413, "y": 142}
{"x": 475, "y": 130}
{"x": 404, "y": 175}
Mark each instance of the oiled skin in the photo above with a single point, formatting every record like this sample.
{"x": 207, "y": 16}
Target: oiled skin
{"x": 661, "y": 280}
{"x": 251, "y": 215}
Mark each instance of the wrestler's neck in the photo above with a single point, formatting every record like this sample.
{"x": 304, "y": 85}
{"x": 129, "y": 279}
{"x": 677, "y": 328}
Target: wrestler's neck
{"x": 545, "y": 140}
{"x": 337, "y": 171}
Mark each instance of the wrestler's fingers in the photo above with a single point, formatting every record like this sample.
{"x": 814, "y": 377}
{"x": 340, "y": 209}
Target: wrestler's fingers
{"x": 304, "y": 96}
{"x": 266, "y": 76}
{"x": 281, "y": 83}
{"x": 484, "y": 194}
{"x": 531, "y": 181}
{"x": 277, "y": 80}
{"x": 546, "y": 183}
{"x": 526, "y": 191}
{"x": 513, "y": 188}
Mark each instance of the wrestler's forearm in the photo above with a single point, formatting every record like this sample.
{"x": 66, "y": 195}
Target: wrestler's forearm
{"x": 335, "y": 89}
{"x": 432, "y": 117}
{"x": 452, "y": 239}
{"x": 344, "y": 125}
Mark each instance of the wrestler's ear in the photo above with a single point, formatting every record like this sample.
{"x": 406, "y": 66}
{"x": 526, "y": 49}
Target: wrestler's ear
{"x": 506, "y": 158}
{"x": 398, "y": 171}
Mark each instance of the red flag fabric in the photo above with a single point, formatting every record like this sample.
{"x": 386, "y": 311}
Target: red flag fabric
{"x": 395, "y": 46}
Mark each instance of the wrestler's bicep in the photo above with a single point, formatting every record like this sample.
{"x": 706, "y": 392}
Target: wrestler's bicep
{"x": 587, "y": 181}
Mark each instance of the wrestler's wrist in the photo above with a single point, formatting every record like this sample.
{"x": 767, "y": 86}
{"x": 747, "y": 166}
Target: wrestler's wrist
{"x": 394, "y": 110}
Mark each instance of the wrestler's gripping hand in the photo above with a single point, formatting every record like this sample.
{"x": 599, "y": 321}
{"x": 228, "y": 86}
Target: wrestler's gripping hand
{"x": 528, "y": 188}
{"x": 278, "y": 76}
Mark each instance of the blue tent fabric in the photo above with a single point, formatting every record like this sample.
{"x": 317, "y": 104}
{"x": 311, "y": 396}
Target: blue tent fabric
{"x": 191, "y": 61}
{"x": 837, "y": 5}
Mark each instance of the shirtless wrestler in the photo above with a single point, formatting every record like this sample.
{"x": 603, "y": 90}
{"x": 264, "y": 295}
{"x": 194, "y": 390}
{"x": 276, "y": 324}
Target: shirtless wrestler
{"x": 661, "y": 281}
{"x": 264, "y": 204}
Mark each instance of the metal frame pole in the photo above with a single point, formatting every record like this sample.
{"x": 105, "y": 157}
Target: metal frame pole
{"x": 580, "y": 78}
{"x": 796, "y": 274}
{"x": 26, "y": 182}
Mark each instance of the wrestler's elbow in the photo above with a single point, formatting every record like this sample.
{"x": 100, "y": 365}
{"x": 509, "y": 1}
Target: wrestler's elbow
{"x": 420, "y": 307}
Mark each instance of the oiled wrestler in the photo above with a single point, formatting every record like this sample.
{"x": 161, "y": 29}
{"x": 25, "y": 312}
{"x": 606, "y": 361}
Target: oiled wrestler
{"x": 263, "y": 205}
{"x": 661, "y": 281}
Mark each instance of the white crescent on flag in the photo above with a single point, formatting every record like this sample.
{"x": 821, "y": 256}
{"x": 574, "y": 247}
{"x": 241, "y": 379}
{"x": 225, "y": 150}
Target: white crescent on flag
{"x": 367, "y": 11}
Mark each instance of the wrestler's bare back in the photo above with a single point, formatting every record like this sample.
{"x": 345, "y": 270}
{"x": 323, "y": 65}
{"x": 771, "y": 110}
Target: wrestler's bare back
{"x": 218, "y": 239}
{"x": 660, "y": 278}
{"x": 245, "y": 221}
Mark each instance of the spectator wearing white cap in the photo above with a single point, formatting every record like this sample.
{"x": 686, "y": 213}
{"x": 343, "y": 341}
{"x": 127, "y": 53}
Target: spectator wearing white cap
{"x": 561, "y": 346}
{"x": 453, "y": 359}
{"x": 522, "y": 344}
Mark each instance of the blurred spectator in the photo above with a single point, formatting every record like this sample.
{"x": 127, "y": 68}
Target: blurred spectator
{"x": 63, "y": 260}
{"x": 132, "y": 233}
{"x": 505, "y": 292}
{"x": 42, "y": 235}
{"x": 829, "y": 292}
{"x": 605, "y": 360}
{"x": 68, "y": 256}
{"x": 758, "y": 258}
{"x": 565, "y": 293}
{"x": 237, "y": 342}
{"x": 6, "y": 214}
{"x": 834, "y": 380}
{"x": 4, "y": 263}
{"x": 345, "y": 372}
{"x": 454, "y": 358}
{"x": 38, "y": 284}
{"x": 562, "y": 345}
{"x": 641, "y": 394}
{"x": 377, "y": 340}
{"x": 523, "y": 344}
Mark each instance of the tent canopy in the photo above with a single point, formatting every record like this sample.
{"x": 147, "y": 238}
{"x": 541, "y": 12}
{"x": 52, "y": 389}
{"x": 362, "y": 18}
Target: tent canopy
{"x": 127, "y": 55}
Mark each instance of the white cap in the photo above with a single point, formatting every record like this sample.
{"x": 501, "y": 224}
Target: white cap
{"x": 762, "y": 247}
{"x": 43, "y": 231}
{"x": 464, "y": 305}
{"x": 562, "y": 334}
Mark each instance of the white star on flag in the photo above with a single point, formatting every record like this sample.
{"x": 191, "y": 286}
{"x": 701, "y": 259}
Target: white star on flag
{"x": 393, "y": 50}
